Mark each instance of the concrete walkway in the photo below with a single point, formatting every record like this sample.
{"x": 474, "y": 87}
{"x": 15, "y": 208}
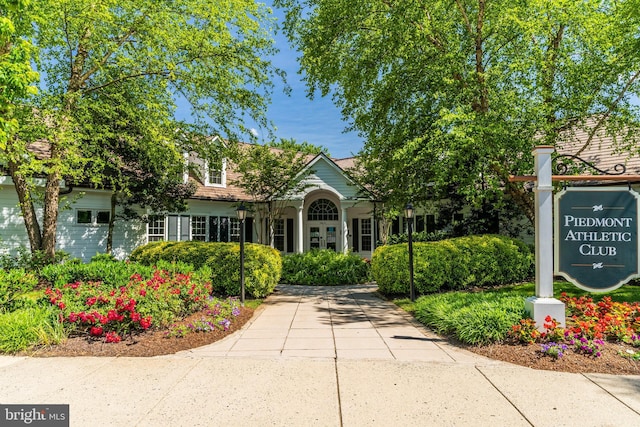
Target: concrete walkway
{"x": 320, "y": 356}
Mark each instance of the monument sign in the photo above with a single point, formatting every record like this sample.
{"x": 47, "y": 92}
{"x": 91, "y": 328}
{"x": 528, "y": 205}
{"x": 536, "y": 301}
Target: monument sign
{"x": 596, "y": 237}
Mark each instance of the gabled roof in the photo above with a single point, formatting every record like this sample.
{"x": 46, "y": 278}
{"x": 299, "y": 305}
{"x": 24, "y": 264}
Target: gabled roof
{"x": 602, "y": 152}
{"x": 234, "y": 193}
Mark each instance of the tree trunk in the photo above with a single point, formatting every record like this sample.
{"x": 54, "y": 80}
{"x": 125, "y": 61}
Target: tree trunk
{"x": 27, "y": 208}
{"x": 112, "y": 221}
{"x": 50, "y": 218}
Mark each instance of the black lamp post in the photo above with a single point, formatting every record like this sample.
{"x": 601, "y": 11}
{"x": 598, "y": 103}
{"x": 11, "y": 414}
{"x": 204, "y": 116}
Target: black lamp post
{"x": 242, "y": 215}
{"x": 408, "y": 213}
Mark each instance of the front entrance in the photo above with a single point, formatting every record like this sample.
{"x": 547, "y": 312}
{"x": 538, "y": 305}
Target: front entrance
{"x": 323, "y": 236}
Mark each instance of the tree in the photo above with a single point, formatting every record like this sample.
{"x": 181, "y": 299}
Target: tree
{"x": 271, "y": 173}
{"x": 214, "y": 55}
{"x": 460, "y": 91}
{"x": 17, "y": 77}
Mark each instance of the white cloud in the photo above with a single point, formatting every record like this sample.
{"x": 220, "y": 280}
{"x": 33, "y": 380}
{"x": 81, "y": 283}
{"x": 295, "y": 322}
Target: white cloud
{"x": 254, "y": 132}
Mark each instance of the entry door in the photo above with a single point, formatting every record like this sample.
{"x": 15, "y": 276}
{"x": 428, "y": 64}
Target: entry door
{"x": 323, "y": 237}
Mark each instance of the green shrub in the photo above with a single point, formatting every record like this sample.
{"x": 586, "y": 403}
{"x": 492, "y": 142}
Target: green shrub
{"x": 263, "y": 264}
{"x": 13, "y": 284}
{"x": 31, "y": 261}
{"x": 25, "y": 328}
{"x": 324, "y": 267}
{"x": 473, "y": 318}
{"x": 451, "y": 264}
{"x": 103, "y": 257}
{"x": 110, "y": 273}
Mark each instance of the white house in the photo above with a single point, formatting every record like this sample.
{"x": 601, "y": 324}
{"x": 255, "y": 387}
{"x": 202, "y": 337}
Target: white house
{"x": 331, "y": 213}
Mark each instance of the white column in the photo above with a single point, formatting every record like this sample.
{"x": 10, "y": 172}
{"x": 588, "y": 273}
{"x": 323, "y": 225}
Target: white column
{"x": 345, "y": 230}
{"x": 300, "y": 247}
{"x": 374, "y": 227}
{"x": 543, "y": 304}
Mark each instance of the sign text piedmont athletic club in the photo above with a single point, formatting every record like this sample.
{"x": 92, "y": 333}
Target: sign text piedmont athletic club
{"x": 596, "y": 237}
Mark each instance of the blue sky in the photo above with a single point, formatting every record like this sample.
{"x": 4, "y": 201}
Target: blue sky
{"x": 316, "y": 121}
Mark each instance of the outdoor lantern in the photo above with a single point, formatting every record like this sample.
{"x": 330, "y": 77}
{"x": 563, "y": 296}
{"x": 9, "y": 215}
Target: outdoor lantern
{"x": 408, "y": 213}
{"x": 242, "y": 214}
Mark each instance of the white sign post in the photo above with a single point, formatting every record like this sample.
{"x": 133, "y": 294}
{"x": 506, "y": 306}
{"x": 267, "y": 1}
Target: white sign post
{"x": 543, "y": 304}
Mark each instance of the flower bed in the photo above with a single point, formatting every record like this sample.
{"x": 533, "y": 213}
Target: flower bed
{"x": 91, "y": 308}
{"x": 589, "y": 326}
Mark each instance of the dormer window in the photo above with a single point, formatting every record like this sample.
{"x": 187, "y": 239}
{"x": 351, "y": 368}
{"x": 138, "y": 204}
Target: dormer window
{"x": 215, "y": 174}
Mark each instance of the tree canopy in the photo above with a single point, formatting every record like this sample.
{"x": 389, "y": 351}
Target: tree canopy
{"x": 271, "y": 173}
{"x": 112, "y": 74}
{"x": 456, "y": 93}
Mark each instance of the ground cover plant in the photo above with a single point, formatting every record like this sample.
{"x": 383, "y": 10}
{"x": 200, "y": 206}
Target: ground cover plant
{"x": 602, "y": 331}
{"x": 325, "y": 267}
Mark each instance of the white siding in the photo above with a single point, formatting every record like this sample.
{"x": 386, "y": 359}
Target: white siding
{"x": 79, "y": 240}
{"x": 327, "y": 177}
{"x": 13, "y": 235}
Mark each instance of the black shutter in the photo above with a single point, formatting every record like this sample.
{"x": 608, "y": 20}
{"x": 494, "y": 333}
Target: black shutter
{"x": 419, "y": 223}
{"x": 224, "y": 229}
{"x": 395, "y": 226}
{"x": 431, "y": 223}
{"x": 289, "y": 247}
{"x": 355, "y": 238}
{"x": 213, "y": 228}
{"x": 248, "y": 230}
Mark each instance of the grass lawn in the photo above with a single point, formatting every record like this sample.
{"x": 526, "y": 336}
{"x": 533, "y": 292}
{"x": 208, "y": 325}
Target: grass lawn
{"x": 487, "y": 316}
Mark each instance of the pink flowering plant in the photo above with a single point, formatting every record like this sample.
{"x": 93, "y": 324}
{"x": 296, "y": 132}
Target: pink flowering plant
{"x": 589, "y": 325}
{"x": 107, "y": 312}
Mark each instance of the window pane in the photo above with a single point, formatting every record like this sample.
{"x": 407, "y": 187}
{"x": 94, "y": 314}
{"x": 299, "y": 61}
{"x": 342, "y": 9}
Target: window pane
{"x": 234, "y": 229}
{"x": 103, "y": 217}
{"x": 156, "y": 228}
{"x": 83, "y": 217}
{"x": 366, "y": 243}
{"x": 278, "y": 234}
{"x": 198, "y": 228}
{"x": 322, "y": 210}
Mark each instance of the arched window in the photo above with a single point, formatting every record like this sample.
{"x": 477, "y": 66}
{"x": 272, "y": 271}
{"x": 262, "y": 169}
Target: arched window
{"x": 322, "y": 210}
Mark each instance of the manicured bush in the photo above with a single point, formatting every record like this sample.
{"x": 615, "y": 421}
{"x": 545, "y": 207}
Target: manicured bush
{"x": 110, "y": 273}
{"x": 263, "y": 264}
{"x": 13, "y": 284}
{"x": 324, "y": 267}
{"x": 451, "y": 264}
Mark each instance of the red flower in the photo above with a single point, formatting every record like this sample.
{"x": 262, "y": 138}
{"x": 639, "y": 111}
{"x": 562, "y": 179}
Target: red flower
{"x": 112, "y": 337}
{"x": 146, "y": 322}
{"x": 96, "y": 331}
{"x": 91, "y": 301}
{"x": 143, "y": 292}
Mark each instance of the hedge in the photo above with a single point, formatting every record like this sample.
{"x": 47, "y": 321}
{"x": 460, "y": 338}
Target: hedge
{"x": 452, "y": 264}
{"x": 324, "y": 267}
{"x": 263, "y": 264}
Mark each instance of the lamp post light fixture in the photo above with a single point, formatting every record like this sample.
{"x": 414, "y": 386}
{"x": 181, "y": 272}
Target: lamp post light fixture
{"x": 408, "y": 213}
{"x": 241, "y": 212}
